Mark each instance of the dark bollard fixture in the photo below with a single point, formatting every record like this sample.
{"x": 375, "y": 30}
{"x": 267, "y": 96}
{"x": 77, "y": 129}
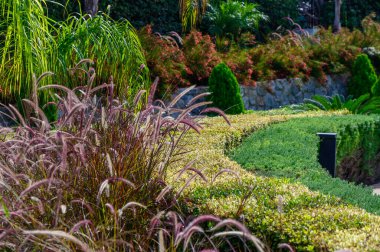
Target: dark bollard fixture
{"x": 327, "y": 152}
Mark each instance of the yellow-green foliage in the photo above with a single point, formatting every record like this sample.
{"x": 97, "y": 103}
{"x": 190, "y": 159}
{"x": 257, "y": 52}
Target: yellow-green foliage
{"x": 274, "y": 209}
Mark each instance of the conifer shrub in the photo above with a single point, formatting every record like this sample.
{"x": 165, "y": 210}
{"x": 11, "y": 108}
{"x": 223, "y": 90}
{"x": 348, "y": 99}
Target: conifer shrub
{"x": 375, "y": 90}
{"x": 363, "y": 76}
{"x": 225, "y": 90}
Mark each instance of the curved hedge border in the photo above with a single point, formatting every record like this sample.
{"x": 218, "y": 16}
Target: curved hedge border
{"x": 276, "y": 210}
{"x": 290, "y": 150}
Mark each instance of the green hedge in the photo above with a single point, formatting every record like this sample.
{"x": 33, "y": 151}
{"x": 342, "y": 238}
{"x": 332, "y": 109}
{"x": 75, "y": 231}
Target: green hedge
{"x": 290, "y": 150}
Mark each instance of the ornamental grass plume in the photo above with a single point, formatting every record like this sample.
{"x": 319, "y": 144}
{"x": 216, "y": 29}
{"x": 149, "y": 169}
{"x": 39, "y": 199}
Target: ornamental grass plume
{"x": 95, "y": 178}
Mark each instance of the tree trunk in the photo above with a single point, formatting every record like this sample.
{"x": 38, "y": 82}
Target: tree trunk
{"x": 91, "y": 7}
{"x": 337, "y": 25}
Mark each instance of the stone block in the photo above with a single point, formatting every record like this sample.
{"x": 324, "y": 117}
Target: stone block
{"x": 260, "y": 101}
{"x": 261, "y": 91}
{"x": 269, "y": 101}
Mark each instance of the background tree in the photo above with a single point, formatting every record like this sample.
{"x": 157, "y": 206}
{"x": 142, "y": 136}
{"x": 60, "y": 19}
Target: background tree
{"x": 91, "y": 7}
{"x": 363, "y": 77}
{"x": 322, "y": 12}
{"x": 337, "y": 25}
{"x": 191, "y": 12}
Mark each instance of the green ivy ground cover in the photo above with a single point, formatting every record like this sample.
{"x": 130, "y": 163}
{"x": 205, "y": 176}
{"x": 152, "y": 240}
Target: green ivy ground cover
{"x": 290, "y": 150}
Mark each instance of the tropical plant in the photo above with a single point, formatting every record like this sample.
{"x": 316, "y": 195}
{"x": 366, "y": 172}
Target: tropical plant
{"x": 231, "y": 18}
{"x": 365, "y": 104}
{"x": 191, "y": 12}
{"x": 225, "y": 90}
{"x": 97, "y": 181}
{"x": 363, "y": 76}
{"x": 30, "y": 43}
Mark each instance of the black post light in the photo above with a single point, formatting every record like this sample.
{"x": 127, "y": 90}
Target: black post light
{"x": 327, "y": 152}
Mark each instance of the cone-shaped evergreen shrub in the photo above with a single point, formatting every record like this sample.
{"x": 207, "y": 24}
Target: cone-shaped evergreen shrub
{"x": 225, "y": 90}
{"x": 376, "y": 88}
{"x": 363, "y": 76}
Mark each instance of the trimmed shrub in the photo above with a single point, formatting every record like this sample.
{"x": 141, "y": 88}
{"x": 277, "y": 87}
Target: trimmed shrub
{"x": 363, "y": 76}
{"x": 225, "y": 90}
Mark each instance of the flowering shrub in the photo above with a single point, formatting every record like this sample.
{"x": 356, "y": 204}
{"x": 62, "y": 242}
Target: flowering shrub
{"x": 241, "y": 64}
{"x": 178, "y": 67}
{"x": 201, "y": 56}
{"x": 165, "y": 59}
{"x": 283, "y": 56}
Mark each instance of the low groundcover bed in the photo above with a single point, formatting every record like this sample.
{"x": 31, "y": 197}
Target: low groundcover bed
{"x": 275, "y": 209}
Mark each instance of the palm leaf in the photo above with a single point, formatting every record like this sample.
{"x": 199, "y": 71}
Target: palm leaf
{"x": 371, "y": 106}
{"x": 355, "y": 104}
{"x": 325, "y": 101}
{"x": 314, "y": 104}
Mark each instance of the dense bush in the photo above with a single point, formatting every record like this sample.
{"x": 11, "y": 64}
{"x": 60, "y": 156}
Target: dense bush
{"x": 283, "y": 56}
{"x": 165, "y": 59}
{"x": 163, "y": 15}
{"x": 96, "y": 179}
{"x": 290, "y": 150}
{"x": 292, "y": 55}
{"x": 363, "y": 77}
{"x": 275, "y": 209}
{"x": 241, "y": 64}
{"x": 225, "y": 90}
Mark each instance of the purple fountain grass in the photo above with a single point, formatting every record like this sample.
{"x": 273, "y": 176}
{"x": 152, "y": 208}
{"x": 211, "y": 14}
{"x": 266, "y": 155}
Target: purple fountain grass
{"x": 95, "y": 178}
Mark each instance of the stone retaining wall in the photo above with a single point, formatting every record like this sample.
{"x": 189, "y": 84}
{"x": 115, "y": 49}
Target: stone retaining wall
{"x": 277, "y": 93}
{"x": 266, "y": 95}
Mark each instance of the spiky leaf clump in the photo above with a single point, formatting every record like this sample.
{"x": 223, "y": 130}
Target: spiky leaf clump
{"x": 363, "y": 76}
{"x": 225, "y": 90}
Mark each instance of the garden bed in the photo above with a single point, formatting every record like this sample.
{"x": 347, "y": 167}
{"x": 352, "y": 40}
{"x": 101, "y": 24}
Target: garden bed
{"x": 276, "y": 209}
